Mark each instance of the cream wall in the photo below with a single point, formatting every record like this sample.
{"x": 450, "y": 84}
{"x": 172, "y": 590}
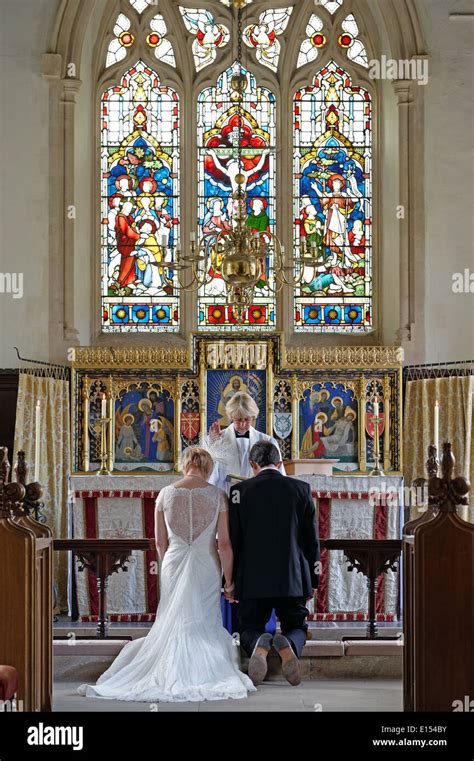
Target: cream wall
{"x": 26, "y": 28}
{"x": 449, "y": 177}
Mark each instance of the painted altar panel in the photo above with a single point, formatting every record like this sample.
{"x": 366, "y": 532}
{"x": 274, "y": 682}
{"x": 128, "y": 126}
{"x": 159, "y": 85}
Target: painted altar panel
{"x": 223, "y": 384}
{"x": 328, "y": 424}
{"x": 141, "y": 433}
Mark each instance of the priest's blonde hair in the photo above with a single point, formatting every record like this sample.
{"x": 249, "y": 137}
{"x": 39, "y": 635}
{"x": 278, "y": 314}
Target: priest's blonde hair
{"x": 197, "y": 457}
{"x": 241, "y": 406}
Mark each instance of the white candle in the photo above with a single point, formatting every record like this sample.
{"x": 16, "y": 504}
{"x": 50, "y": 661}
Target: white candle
{"x": 436, "y": 425}
{"x": 163, "y": 241}
{"x": 104, "y": 406}
{"x": 192, "y": 237}
{"x": 376, "y": 406}
{"x": 37, "y": 439}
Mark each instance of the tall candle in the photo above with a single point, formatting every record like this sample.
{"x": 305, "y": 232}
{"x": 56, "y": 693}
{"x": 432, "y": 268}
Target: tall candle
{"x": 104, "y": 406}
{"x": 376, "y": 406}
{"x": 436, "y": 425}
{"x": 37, "y": 439}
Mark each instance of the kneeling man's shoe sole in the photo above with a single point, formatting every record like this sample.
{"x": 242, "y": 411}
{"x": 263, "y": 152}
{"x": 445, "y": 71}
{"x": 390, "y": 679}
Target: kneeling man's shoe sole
{"x": 289, "y": 662}
{"x": 258, "y": 666}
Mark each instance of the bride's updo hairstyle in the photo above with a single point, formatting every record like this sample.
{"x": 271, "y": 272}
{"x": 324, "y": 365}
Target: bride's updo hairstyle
{"x": 197, "y": 457}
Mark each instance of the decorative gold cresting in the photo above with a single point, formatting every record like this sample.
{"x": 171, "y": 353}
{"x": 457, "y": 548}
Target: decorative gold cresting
{"x": 347, "y": 357}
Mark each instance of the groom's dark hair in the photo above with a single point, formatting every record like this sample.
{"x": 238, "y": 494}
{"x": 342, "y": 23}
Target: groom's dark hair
{"x": 264, "y": 453}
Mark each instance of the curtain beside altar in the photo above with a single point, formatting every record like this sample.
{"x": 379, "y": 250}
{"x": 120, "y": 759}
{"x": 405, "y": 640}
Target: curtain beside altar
{"x": 54, "y": 466}
{"x": 455, "y": 396}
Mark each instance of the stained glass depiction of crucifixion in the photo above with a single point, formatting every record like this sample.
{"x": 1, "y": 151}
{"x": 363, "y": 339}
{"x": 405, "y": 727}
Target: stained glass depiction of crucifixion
{"x": 231, "y": 139}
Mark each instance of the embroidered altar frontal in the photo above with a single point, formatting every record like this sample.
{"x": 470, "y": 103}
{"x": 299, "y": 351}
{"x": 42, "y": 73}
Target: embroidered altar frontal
{"x": 111, "y": 509}
{"x": 132, "y": 595}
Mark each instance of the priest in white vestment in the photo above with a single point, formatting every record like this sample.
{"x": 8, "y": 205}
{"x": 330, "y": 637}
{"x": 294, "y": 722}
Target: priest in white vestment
{"x": 230, "y": 448}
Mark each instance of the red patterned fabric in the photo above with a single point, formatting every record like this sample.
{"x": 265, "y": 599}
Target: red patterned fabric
{"x": 128, "y": 494}
{"x": 117, "y": 618}
{"x": 151, "y": 578}
{"x": 322, "y": 594}
{"x": 90, "y": 512}
{"x": 380, "y": 531}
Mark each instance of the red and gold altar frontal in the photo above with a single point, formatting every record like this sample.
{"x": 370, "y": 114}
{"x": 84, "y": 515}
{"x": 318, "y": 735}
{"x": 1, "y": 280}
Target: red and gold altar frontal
{"x": 136, "y": 409}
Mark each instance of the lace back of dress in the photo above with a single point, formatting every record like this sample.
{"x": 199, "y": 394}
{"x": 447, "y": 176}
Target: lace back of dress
{"x": 189, "y": 512}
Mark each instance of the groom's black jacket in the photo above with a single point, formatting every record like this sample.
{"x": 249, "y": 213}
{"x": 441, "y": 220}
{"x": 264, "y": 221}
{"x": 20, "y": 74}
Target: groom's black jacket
{"x": 274, "y": 537}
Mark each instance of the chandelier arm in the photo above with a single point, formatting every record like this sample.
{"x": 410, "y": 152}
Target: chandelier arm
{"x": 189, "y": 286}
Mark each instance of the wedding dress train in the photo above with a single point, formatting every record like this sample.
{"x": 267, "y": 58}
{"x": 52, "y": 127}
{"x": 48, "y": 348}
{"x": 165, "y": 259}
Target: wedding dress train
{"x": 187, "y": 655}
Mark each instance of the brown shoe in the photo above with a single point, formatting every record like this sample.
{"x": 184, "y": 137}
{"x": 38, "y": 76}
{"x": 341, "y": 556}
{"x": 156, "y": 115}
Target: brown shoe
{"x": 289, "y": 662}
{"x": 258, "y": 666}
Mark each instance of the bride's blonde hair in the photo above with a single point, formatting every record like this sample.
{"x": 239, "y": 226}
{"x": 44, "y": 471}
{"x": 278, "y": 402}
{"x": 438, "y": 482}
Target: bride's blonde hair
{"x": 197, "y": 457}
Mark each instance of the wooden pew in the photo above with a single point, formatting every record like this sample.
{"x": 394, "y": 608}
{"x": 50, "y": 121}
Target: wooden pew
{"x": 26, "y": 605}
{"x": 438, "y": 551}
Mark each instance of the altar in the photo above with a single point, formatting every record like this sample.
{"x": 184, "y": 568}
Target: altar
{"x": 348, "y": 507}
{"x": 335, "y": 413}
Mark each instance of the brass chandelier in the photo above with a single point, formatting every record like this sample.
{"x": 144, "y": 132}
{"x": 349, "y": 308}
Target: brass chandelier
{"x": 239, "y": 255}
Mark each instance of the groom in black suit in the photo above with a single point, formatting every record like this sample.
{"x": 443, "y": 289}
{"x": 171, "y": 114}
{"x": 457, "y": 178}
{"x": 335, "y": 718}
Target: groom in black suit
{"x": 276, "y": 560}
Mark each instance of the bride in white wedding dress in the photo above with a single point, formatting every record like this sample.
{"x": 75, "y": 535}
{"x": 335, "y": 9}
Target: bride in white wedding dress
{"x": 187, "y": 654}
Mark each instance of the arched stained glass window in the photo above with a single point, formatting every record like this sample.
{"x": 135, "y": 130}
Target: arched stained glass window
{"x": 333, "y": 202}
{"x": 220, "y": 131}
{"x": 139, "y": 203}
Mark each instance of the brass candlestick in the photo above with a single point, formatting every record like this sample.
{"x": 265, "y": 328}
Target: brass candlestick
{"x": 377, "y": 470}
{"x": 104, "y": 454}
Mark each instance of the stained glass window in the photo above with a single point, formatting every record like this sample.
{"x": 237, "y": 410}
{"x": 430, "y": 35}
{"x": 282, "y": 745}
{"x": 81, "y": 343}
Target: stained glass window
{"x": 348, "y": 41}
{"x": 330, "y": 5}
{"x": 309, "y": 49}
{"x": 140, "y": 203}
{"x": 156, "y": 40}
{"x": 220, "y": 131}
{"x": 123, "y": 39}
{"x": 263, "y": 36}
{"x": 333, "y": 203}
{"x": 209, "y": 35}
{"x": 140, "y": 5}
